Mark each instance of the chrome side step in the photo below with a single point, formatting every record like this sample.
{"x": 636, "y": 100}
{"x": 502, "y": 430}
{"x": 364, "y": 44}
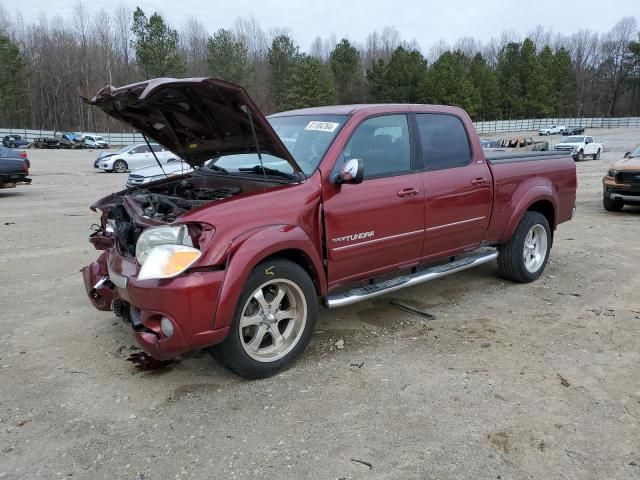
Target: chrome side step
{"x": 370, "y": 291}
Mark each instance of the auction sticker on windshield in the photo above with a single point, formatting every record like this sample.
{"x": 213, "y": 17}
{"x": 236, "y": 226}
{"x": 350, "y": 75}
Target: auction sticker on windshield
{"x": 322, "y": 126}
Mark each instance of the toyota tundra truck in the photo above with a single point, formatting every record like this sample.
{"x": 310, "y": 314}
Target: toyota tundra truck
{"x": 321, "y": 206}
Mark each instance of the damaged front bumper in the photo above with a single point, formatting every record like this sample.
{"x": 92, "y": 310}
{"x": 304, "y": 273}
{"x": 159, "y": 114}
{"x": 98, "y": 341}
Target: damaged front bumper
{"x": 188, "y": 302}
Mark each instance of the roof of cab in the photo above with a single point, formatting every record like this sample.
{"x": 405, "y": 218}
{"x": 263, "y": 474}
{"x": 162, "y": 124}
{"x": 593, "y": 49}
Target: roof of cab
{"x": 372, "y": 107}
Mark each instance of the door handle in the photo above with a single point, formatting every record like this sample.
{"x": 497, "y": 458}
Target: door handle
{"x": 479, "y": 181}
{"x": 408, "y": 192}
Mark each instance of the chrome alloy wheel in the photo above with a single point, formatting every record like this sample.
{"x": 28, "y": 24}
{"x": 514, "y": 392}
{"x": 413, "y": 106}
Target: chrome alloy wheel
{"x": 535, "y": 248}
{"x": 273, "y": 319}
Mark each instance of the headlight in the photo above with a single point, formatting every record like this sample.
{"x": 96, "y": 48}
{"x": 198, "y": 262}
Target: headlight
{"x": 611, "y": 173}
{"x": 166, "y": 261}
{"x": 153, "y": 237}
{"x": 154, "y": 178}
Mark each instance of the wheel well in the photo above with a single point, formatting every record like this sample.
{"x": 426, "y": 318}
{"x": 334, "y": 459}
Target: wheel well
{"x": 300, "y": 258}
{"x": 545, "y": 208}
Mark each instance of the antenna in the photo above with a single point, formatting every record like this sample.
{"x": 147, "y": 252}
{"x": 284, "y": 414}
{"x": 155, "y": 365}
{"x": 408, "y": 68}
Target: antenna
{"x": 255, "y": 139}
{"x": 154, "y": 155}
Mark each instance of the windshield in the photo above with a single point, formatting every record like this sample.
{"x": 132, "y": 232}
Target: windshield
{"x": 635, "y": 153}
{"x": 574, "y": 140}
{"x": 308, "y": 137}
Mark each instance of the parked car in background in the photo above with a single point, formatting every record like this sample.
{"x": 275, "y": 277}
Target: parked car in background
{"x": 91, "y": 140}
{"x": 46, "y": 142}
{"x": 14, "y": 141}
{"x": 580, "y": 146}
{"x": 489, "y": 143}
{"x": 238, "y": 253}
{"x": 524, "y": 144}
{"x": 621, "y": 184}
{"x": 11, "y": 153}
{"x": 551, "y": 130}
{"x": 132, "y": 157}
{"x": 573, "y": 131}
{"x": 13, "y": 171}
{"x": 153, "y": 172}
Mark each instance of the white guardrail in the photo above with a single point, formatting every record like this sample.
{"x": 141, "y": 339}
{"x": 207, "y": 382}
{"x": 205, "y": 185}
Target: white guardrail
{"x": 497, "y": 126}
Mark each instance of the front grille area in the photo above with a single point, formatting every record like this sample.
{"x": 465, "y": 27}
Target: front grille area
{"x": 564, "y": 149}
{"x": 135, "y": 180}
{"x": 628, "y": 177}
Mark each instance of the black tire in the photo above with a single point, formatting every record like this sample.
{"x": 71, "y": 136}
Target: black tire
{"x": 580, "y": 156}
{"x": 548, "y": 133}
{"x": 120, "y": 166}
{"x": 612, "y": 205}
{"x": 232, "y": 351}
{"x": 597, "y": 155}
{"x": 511, "y": 258}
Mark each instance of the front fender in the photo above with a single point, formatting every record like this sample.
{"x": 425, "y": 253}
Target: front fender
{"x": 533, "y": 190}
{"x": 249, "y": 250}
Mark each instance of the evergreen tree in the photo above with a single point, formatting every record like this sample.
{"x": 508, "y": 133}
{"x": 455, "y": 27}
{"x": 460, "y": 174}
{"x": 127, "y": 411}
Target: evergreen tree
{"x": 486, "y": 82}
{"x": 12, "y": 81}
{"x": 401, "y": 80}
{"x": 347, "y": 75}
{"x": 509, "y": 81}
{"x": 376, "y": 78}
{"x": 282, "y": 58}
{"x": 449, "y": 83}
{"x": 227, "y": 57}
{"x": 309, "y": 85}
{"x": 156, "y": 46}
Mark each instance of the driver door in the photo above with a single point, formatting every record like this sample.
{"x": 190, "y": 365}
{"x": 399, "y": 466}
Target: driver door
{"x": 376, "y": 226}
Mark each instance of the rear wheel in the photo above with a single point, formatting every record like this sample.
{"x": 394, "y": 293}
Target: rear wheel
{"x": 597, "y": 155}
{"x": 611, "y": 205}
{"x": 120, "y": 166}
{"x": 525, "y": 256}
{"x": 273, "y": 322}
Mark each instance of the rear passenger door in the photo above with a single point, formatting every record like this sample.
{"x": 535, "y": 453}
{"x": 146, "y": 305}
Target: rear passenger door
{"x": 458, "y": 190}
{"x": 376, "y": 226}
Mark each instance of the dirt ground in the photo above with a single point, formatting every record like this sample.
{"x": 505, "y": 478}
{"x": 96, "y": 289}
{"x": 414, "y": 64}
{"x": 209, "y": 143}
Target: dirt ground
{"x": 538, "y": 381}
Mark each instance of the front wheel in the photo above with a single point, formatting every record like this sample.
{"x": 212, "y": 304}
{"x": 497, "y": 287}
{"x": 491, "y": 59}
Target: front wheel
{"x": 611, "y": 205}
{"x": 120, "y": 166}
{"x": 580, "y": 156}
{"x": 525, "y": 256}
{"x": 273, "y": 322}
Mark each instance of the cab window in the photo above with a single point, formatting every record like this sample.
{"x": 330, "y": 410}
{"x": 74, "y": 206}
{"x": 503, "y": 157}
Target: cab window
{"x": 383, "y": 145}
{"x": 443, "y": 140}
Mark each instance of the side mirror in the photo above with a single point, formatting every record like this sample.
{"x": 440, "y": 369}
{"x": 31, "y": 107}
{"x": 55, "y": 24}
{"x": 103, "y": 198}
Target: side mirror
{"x": 627, "y": 154}
{"x": 352, "y": 172}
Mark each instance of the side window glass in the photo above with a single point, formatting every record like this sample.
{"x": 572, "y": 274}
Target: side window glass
{"x": 443, "y": 140}
{"x": 383, "y": 145}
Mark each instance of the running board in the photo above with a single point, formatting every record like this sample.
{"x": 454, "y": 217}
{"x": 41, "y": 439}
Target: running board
{"x": 377, "y": 289}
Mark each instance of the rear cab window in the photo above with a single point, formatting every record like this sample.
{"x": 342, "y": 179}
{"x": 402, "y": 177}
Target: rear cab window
{"x": 443, "y": 141}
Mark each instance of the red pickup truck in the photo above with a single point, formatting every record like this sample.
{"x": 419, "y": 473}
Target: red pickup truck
{"x": 329, "y": 205}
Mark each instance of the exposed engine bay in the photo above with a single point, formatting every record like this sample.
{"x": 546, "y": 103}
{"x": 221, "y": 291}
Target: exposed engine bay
{"x": 126, "y": 214}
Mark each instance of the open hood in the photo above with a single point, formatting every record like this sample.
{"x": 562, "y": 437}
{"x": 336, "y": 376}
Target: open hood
{"x": 196, "y": 118}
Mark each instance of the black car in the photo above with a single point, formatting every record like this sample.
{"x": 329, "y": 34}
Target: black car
{"x": 13, "y": 171}
{"x": 573, "y": 131}
{"x": 19, "y": 154}
{"x": 14, "y": 141}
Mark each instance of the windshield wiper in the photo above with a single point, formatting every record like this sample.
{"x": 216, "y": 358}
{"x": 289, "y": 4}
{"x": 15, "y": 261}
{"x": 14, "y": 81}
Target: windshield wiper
{"x": 216, "y": 168}
{"x": 260, "y": 170}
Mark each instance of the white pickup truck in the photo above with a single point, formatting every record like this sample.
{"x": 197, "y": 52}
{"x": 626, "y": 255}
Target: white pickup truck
{"x": 580, "y": 146}
{"x": 551, "y": 130}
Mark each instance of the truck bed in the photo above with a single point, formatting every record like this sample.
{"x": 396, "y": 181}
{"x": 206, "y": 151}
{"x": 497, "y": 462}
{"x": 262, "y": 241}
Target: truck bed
{"x": 519, "y": 180}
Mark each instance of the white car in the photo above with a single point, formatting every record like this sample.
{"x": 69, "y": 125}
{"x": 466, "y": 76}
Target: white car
{"x": 580, "y": 146}
{"x": 151, "y": 173}
{"x": 551, "y": 130}
{"x": 132, "y": 157}
{"x": 91, "y": 140}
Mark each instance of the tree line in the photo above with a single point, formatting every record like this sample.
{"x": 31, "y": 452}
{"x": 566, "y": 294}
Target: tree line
{"x": 44, "y": 63}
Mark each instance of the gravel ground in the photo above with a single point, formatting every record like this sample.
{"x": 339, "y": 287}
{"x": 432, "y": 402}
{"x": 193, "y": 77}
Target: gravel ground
{"x": 508, "y": 382}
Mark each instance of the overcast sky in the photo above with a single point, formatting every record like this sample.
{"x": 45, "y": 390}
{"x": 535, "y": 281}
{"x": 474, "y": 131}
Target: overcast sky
{"x": 426, "y": 22}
